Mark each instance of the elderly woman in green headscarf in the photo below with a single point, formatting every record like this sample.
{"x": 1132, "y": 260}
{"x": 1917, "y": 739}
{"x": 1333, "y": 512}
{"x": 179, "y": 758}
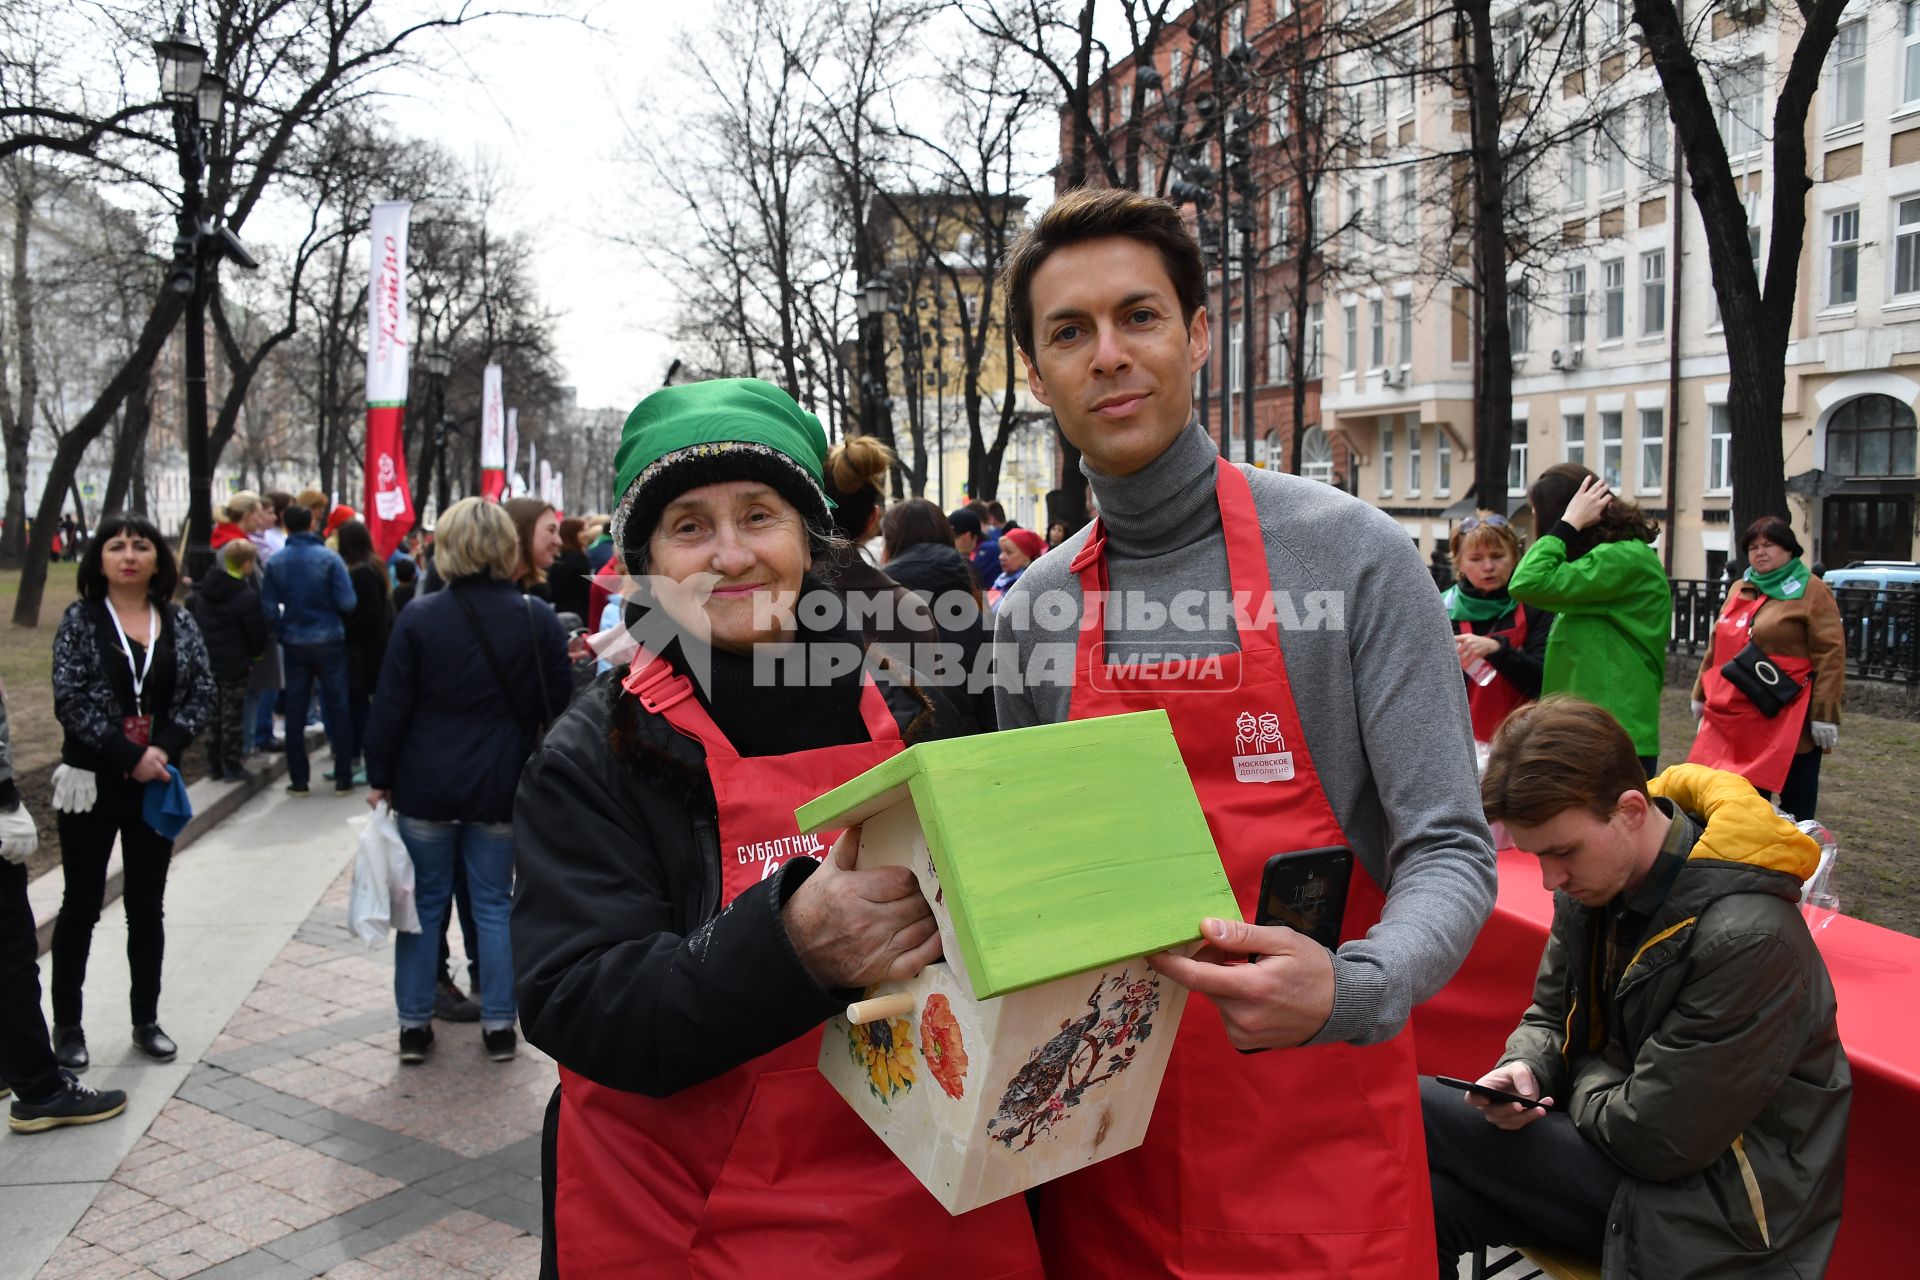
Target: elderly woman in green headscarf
{"x": 679, "y": 941}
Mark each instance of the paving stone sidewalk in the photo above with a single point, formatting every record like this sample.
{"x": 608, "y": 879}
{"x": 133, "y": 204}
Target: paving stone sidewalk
{"x": 300, "y": 1147}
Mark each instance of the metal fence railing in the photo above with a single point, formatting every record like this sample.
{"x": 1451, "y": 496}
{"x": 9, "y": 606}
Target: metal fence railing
{"x": 1882, "y": 626}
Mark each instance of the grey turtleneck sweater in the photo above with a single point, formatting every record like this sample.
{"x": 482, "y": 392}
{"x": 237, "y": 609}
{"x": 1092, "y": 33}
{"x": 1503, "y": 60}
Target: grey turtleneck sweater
{"x": 1369, "y": 656}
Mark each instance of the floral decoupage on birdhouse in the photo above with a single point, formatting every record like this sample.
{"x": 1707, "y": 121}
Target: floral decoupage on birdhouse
{"x": 1056, "y": 858}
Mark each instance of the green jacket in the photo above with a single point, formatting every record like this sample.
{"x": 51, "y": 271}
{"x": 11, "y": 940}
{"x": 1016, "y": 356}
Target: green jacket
{"x": 1613, "y": 614}
{"x": 1713, "y": 1075}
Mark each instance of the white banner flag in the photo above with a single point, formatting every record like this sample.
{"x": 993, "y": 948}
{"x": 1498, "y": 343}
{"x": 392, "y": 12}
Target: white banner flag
{"x": 546, "y": 484}
{"x": 533, "y": 467}
{"x": 387, "y": 305}
{"x": 513, "y": 449}
{"x": 560, "y": 492}
{"x": 493, "y": 423}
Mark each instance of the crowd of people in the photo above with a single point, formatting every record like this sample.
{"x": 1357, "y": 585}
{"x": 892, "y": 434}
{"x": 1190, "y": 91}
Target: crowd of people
{"x": 622, "y": 854}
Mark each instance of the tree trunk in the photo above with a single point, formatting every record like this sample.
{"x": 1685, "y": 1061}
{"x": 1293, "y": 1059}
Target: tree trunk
{"x": 73, "y": 446}
{"x": 1493, "y": 409}
{"x": 20, "y": 405}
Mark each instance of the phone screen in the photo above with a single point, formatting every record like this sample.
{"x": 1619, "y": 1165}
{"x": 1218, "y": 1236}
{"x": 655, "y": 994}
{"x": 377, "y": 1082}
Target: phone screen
{"x": 1307, "y": 892}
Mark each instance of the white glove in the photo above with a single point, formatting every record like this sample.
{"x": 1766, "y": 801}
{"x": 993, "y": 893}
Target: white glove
{"x": 74, "y": 790}
{"x": 1699, "y": 708}
{"x": 1826, "y": 734}
{"x": 18, "y": 838}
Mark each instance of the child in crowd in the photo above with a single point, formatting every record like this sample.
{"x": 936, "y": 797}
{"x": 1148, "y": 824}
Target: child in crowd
{"x": 227, "y": 607}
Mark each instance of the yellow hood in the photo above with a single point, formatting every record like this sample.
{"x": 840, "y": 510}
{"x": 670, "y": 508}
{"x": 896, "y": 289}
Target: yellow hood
{"x": 1740, "y": 825}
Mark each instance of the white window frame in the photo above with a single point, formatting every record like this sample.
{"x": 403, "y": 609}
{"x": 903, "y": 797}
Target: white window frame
{"x": 1719, "y": 477}
{"x": 1654, "y": 484}
{"x": 1742, "y": 92}
{"x": 1573, "y": 287}
{"x": 1442, "y": 463}
{"x": 1236, "y": 359}
{"x": 1519, "y": 316}
{"x": 1612, "y": 447}
{"x": 1842, "y": 257}
{"x": 1658, "y": 135}
{"x": 1653, "y": 293}
{"x": 1380, "y": 206}
{"x": 1376, "y": 334}
{"x": 1613, "y": 300}
{"x": 1903, "y": 228}
{"x": 1576, "y": 150}
{"x": 1353, "y": 338}
{"x": 1517, "y": 460}
{"x": 1386, "y": 458}
{"x": 1316, "y": 469}
{"x": 1278, "y": 322}
{"x": 1414, "y": 430}
{"x": 1403, "y": 330}
{"x": 1613, "y": 20}
{"x": 1573, "y": 437}
{"x": 1846, "y": 80}
{"x": 1907, "y": 52}
{"x": 1610, "y": 153}
{"x": 1316, "y": 337}
{"x": 1409, "y": 200}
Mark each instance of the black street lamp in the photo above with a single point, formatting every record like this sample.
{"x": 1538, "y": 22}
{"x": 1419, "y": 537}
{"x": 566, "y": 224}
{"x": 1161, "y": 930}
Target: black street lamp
{"x": 438, "y": 365}
{"x": 196, "y": 97}
{"x": 870, "y": 306}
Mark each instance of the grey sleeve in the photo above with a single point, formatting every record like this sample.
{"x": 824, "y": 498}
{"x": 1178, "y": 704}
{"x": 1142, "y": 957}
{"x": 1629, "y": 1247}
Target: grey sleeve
{"x": 1418, "y": 746}
{"x": 1012, "y": 646}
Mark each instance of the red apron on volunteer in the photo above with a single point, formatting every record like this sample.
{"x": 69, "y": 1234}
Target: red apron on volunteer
{"x": 1175, "y": 1199}
{"x": 1735, "y": 735}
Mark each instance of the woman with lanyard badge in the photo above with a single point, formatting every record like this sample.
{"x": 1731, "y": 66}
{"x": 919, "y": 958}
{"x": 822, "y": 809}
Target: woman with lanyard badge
{"x": 1790, "y": 618}
{"x": 131, "y": 688}
{"x": 678, "y": 942}
{"x": 1502, "y": 643}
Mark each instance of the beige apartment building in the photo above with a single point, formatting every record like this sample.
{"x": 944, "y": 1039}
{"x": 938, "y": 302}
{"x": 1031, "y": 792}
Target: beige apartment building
{"x": 1620, "y": 361}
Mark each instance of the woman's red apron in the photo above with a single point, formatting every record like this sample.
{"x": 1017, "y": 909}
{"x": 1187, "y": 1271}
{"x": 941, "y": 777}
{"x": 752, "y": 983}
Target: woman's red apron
{"x": 764, "y": 1171}
{"x": 1298, "y": 1162}
{"x": 1491, "y": 703}
{"x": 1734, "y": 734}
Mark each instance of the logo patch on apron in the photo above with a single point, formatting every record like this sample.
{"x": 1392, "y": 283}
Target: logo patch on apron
{"x": 1260, "y": 750}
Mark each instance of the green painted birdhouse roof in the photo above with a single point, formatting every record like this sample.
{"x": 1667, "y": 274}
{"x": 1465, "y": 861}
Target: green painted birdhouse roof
{"x": 1060, "y": 848}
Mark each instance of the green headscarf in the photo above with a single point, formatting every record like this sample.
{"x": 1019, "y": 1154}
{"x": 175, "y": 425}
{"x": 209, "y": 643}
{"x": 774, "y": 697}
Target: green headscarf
{"x": 1466, "y": 606}
{"x": 1788, "y": 582}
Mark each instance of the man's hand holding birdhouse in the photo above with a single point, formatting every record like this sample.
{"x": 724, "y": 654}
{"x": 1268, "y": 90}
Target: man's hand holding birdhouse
{"x": 854, "y": 927}
{"x": 1279, "y": 1003}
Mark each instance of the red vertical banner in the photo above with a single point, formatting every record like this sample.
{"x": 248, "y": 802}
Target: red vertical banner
{"x": 388, "y": 506}
{"x": 493, "y": 435}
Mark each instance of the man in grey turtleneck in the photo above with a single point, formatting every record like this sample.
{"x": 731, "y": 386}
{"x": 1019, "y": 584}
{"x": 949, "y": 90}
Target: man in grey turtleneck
{"x": 1107, "y": 300}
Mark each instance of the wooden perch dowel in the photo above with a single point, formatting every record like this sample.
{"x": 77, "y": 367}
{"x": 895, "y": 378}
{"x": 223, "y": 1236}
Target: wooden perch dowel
{"x": 893, "y": 1006}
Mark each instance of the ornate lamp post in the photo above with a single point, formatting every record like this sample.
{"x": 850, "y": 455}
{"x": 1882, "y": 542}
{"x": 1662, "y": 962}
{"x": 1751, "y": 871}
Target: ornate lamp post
{"x": 438, "y": 365}
{"x": 871, "y": 309}
{"x": 196, "y": 97}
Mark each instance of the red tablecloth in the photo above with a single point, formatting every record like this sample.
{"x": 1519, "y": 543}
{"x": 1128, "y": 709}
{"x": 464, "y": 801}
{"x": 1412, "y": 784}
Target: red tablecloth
{"x": 1876, "y": 974}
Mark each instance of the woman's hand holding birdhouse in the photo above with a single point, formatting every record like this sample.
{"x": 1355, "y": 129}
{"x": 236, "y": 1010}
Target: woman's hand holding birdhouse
{"x": 853, "y": 927}
{"x": 1281, "y": 1002}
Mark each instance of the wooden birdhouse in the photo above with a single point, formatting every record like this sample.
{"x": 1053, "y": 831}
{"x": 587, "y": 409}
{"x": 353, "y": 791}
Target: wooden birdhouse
{"x": 1056, "y": 858}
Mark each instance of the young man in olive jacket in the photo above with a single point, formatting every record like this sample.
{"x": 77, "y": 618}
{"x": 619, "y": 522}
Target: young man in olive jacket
{"x": 1693, "y": 1094}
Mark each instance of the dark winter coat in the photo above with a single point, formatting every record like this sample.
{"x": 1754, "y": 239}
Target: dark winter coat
{"x": 568, "y": 579}
{"x": 93, "y": 688}
{"x": 367, "y": 627}
{"x": 232, "y": 623}
{"x": 628, "y": 971}
{"x": 943, "y": 578}
{"x": 443, "y": 736}
{"x": 1712, "y": 1073}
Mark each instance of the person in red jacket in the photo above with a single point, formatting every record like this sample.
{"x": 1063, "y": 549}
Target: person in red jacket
{"x": 1502, "y": 643}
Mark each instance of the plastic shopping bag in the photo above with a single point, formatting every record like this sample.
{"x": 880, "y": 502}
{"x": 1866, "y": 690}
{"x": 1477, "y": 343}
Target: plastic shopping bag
{"x": 382, "y": 895}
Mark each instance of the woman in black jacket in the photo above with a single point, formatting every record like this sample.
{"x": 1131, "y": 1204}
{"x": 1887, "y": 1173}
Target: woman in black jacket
{"x": 472, "y": 675}
{"x": 570, "y": 577}
{"x": 680, "y": 942}
{"x": 918, "y": 553}
{"x": 131, "y": 688}
{"x": 367, "y": 626}
{"x": 886, "y": 613}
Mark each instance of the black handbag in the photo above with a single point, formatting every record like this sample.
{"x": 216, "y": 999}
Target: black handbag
{"x": 1766, "y": 686}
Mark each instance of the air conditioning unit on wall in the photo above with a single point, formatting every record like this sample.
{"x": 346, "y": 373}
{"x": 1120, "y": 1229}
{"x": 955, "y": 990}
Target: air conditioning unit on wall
{"x": 1395, "y": 378}
{"x": 1746, "y": 10}
{"x": 1567, "y": 357}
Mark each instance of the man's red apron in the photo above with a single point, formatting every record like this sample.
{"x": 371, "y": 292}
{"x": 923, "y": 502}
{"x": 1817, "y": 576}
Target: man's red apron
{"x": 1299, "y": 1162}
{"x": 1491, "y": 703}
{"x": 764, "y": 1171}
{"x": 1734, "y": 734}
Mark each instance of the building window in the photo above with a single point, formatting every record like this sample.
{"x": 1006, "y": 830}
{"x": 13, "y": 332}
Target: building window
{"x": 1610, "y": 447}
{"x": 1613, "y": 20}
{"x": 1576, "y": 173}
{"x": 1653, "y": 450}
{"x": 1442, "y": 462}
{"x": 1316, "y": 456}
{"x": 1871, "y": 436}
{"x": 1277, "y": 325}
{"x": 1719, "y": 446}
{"x": 1653, "y": 292}
{"x": 1910, "y": 53}
{"x": 1414, "y": 432}
{"x": 1741, "y": 102}
{"x": 1236, "y": 358}
{"x": 1316, "y": 337}
{"x": 1356, "y": 215}
{"x": 1612, "y": 155}
{"x": 1843, "y": 257}
{"x": 1574, "y": 287}
{"x": 1906, "y": 247}
{"x": 1847, "y": 75}
{"x": 1657, "y": 165}
{"x": 1409, "y": 198}
{"x": 1380, "y": 207}
{"x": 1403, "y": 322}
{"x": 1146, "y": 175}
{"x": 1517, "y": 461}
{"x": 1613, "y": 298}
{"x": 1280, "y": 222}
{"x": 1517, "y": 314}
{"x": 1386, "y": 459}
{"x": 1377, "y": 330}
{"x": 1353, "y": 337}
{"x": 1278, "y": 115}
{"x": 1575, "y": 427}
